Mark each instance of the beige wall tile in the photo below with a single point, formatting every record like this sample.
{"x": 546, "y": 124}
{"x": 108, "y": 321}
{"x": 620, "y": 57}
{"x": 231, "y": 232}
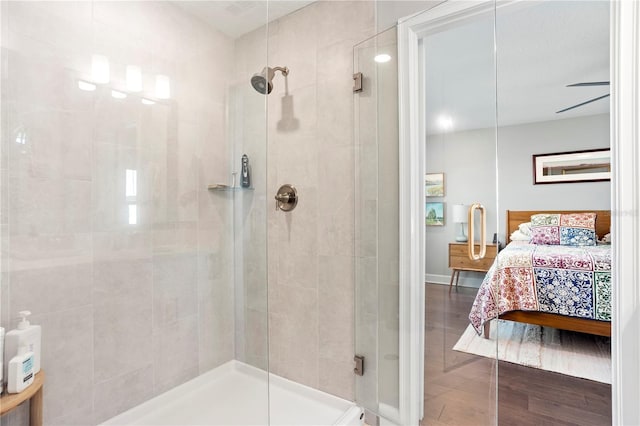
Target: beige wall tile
{"x": 65, "y": 287}
{"x": 67, "y": 337}
{"x": 122, "y": 392}
{"x": 337, "y": 378}
{"x": 174, "y": 359}
{"x": 336, "y": 307}
{"x": 122, "y": 342}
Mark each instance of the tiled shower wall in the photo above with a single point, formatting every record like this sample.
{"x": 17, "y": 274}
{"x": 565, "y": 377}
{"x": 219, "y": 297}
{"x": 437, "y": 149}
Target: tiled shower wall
{"x": 310, "y": 145}
{"x": 129, "y": 305}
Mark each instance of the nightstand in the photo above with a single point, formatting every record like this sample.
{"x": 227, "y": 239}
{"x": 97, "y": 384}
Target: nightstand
{"x": 459, "y": 260}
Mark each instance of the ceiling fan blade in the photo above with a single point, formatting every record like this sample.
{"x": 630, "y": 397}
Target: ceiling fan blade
{"x": 590, "y": 83}
{"x": 583, "y": 103}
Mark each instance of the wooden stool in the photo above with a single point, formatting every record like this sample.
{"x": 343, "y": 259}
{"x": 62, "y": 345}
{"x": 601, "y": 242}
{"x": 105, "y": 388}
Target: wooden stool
{"x": 8, "y": 402}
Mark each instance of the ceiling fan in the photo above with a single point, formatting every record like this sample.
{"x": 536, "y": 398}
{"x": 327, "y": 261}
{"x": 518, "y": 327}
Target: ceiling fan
{"x": 591, "y": 83}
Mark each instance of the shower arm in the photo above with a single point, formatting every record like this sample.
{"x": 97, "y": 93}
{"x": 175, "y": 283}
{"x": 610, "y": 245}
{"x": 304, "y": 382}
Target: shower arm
{"x": 283, "y": 70}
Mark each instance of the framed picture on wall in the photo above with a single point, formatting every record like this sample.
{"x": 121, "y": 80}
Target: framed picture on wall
{"x": 576, "y": 166}
{"x": 434, "y": 214}
{"x": 434, "y": 184}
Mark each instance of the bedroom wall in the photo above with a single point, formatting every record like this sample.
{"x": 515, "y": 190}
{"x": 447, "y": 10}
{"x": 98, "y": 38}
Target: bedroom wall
{"x": 468, "y": 161}
{"x": 516, "y": 145}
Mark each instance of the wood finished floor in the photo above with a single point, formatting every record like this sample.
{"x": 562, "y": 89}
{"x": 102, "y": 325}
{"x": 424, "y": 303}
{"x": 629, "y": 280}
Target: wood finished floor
{"x": 460, "y": 388}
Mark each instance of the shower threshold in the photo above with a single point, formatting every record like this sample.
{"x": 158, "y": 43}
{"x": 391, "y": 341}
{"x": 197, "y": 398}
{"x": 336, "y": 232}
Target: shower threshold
{"x": 238, "y": 394}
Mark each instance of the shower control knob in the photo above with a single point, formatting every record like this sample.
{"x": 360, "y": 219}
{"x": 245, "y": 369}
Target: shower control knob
{"x": 286, "y": 198}
{"x": 283, "y": 198}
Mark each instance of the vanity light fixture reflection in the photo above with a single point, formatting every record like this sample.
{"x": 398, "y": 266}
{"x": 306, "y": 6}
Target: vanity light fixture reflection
{"x": 118, "y": 95}
{"x": 86, "y": 86}
{"x": 163, "y": 87}
{"x": 131, "y": 183}
{"x": 133, "y": 214}
{"x": 147, "y": 101}
{"x": 21, "y": 137}
{"x": 100, "y": 69}
{"x": 382, "y": 58}
{"x": 134, "y": 78}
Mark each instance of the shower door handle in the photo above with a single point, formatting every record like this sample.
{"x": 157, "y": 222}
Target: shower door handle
{"x": 483, "y": 232}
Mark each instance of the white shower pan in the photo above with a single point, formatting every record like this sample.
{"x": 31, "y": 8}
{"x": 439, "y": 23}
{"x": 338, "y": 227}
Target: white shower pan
{"x": 236, "y": 394}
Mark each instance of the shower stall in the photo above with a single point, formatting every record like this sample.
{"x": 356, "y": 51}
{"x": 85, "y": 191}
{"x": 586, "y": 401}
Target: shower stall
{"x": 216, "y": 210}
{"x": 143, "y": 144}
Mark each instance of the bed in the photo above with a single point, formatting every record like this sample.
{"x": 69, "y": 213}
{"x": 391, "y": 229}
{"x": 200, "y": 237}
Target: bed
{"x": 514, "y": 287}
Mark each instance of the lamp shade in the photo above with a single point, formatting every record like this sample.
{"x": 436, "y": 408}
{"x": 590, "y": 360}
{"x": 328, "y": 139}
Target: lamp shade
{"x": 460, "y": 213}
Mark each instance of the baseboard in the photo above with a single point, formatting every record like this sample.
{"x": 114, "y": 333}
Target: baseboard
{"x": 464, "y": 281}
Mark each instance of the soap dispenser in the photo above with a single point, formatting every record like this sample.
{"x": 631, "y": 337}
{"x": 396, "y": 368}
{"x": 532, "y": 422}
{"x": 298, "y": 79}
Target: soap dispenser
{"x": 245, "y": 175}
{"x": 24, "y": 335}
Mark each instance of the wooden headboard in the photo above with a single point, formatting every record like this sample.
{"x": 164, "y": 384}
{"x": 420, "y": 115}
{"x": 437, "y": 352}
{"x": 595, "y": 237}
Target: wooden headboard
{"x": 516, "y": 217}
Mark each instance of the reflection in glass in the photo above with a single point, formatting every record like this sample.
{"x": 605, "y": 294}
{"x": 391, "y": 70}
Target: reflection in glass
{"x": 100, "y": 69}
{"x": 134, "y": 78}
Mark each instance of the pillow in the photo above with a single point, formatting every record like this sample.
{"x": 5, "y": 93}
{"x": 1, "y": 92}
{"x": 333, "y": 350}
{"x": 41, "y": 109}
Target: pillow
{"x": 518, "y": 235}
{"x": 525, "y": 228}
{"x": 573, "y": 229}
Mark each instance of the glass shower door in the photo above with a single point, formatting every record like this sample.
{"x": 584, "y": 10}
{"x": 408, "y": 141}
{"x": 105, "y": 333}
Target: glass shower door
{"x": 458, "y": 92}
{"x": 377, "y": 225}
{"x": 118, "y": 118}
{"x": 460, "y": 201}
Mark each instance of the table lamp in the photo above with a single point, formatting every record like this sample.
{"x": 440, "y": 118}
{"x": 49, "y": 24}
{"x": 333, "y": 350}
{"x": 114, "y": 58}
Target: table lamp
{"x": 460, "y": 215}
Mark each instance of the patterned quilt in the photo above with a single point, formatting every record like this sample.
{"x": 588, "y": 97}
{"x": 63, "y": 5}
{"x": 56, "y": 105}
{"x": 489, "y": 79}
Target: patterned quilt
{"x": 573, "y": 281}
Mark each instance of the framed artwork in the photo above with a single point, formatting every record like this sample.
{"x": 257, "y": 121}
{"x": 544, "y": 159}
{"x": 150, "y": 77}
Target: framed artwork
{"x": 434, "y": 184}
{"x": 576, "y": 166}
{"x": 434, "y": 214}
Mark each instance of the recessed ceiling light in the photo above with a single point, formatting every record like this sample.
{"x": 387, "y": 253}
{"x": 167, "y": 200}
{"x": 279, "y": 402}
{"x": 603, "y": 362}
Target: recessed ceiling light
{"x": 445, "y": 122}
{"x": 381, "y": 58}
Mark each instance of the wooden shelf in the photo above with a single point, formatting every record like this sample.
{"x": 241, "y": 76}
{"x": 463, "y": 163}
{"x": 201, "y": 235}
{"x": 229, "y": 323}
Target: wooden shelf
{"x": 225, "y": 188}
{"x": 8, "y": 402}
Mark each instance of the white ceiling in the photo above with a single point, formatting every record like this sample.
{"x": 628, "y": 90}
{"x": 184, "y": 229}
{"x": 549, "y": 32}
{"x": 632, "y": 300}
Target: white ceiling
{"x": 541, "y": 47}
{"x": 235, "y": 18}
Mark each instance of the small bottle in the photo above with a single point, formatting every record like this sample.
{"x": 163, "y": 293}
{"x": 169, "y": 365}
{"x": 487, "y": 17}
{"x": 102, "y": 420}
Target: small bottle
{"x": 21, "y": 373}
{"x": 24, "y": 335}
{"x": 245, "y": 175}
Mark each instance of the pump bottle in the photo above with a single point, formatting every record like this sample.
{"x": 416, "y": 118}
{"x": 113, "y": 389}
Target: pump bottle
{"x": 24, "y": 335}
{"x": 21, "y": 373}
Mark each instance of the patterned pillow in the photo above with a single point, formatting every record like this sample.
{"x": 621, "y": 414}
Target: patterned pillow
{"x": 574, "y": 229}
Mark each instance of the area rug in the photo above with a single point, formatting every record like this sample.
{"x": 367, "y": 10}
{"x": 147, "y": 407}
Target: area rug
{"x": 565, "y": 352}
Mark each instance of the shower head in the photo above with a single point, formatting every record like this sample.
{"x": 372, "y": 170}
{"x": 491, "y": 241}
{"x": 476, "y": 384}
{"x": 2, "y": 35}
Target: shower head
{"x": 262, "y": 81}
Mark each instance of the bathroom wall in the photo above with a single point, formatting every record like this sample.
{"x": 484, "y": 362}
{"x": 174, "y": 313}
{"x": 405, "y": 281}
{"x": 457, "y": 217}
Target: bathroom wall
{"x": 470, "y": 157}
{"x": 310, "y": 145}
{"x": 131, "y": 304}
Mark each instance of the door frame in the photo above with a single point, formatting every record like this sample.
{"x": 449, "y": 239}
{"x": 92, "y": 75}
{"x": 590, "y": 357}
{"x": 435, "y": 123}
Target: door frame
{"x": 625, "y": 226}
{"x": 625, "y": 223}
